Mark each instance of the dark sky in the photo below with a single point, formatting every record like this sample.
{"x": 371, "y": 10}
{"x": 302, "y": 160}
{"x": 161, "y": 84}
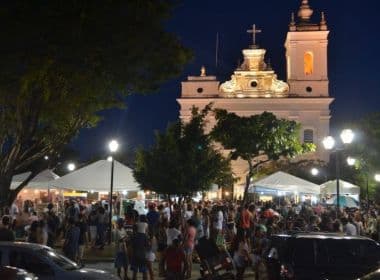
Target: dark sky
{"x": 353, "y": 62}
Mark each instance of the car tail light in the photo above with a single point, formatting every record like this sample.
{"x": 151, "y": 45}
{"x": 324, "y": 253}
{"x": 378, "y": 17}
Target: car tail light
{"x": 286, "y": 272}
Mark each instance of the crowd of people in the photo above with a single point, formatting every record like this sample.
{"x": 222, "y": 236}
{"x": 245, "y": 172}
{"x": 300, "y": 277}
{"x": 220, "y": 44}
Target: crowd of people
{"x": 168, "y": 234}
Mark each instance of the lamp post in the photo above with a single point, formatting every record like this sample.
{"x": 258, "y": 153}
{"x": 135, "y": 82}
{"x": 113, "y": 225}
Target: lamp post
{"x": 346, "y": 136}
{"x": 71, "y": 166}
{"x": 112, "y": 146}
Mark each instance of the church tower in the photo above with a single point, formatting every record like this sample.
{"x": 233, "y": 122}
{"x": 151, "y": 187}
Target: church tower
{"x": 306, "y": 55}
{"x": 254, "y": 86}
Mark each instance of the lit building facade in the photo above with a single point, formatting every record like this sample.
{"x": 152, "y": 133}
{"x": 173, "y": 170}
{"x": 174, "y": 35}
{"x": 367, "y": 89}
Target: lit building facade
{"x": 255, "y": 88}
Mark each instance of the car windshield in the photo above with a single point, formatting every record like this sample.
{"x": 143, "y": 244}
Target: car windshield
{"x": 59, "y": 259}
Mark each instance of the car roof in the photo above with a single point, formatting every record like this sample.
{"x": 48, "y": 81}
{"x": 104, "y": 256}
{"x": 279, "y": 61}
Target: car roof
{"x": 321, "y": 235}
{"x": 25, "y": 245}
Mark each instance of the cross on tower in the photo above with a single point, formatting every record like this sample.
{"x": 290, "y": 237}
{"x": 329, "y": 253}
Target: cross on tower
{"x": 254, "y": 31}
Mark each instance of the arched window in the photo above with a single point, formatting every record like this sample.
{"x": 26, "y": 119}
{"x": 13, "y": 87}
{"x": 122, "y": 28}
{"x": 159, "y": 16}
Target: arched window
{"x": 308, "y": 60}
{"x": 308, "y": 136}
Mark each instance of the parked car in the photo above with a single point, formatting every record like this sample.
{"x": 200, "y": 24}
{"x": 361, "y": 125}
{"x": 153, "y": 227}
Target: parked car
{"x": 321, "y": 256}
{"x": 375, "y": 275}
{"x": 14, "y": 273}
{"x": 46, "y": 263}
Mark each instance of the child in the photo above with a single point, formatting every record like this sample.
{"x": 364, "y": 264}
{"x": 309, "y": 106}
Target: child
{"x": 121, "y": 260}
{"x": 175, "y": 261}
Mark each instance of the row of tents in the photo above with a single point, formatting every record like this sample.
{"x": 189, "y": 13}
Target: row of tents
{"x": 287, "y": 183}
{"x": 96, "y": 177}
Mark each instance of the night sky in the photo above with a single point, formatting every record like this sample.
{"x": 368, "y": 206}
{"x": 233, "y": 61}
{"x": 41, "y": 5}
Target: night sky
{"x": 354, "y": 72}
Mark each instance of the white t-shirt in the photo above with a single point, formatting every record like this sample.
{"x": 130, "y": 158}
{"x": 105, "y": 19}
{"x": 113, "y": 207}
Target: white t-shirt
{"x": 350, "y": 229}
{"x": 218, "y": 223}
{"x": 141, "y": 227}
{"x": 171, "y": 234}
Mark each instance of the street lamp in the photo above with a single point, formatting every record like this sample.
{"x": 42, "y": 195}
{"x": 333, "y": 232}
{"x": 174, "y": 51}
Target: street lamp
{"x": 71, "y": 166}
{"x": 377, "y": 177}
{"x": 113, "y": 145}
{"x": 351, "y": 161}
{"x": 347, "y": 136}
{"x": 314, "y": 171}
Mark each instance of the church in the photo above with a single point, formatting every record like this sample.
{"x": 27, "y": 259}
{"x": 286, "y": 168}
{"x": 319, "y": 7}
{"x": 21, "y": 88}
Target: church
{"x": 254, "y": 86}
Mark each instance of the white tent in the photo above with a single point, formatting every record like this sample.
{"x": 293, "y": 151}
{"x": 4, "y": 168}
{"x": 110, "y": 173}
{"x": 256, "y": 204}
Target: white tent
{"x": 41, "y": 181}
{"x": 345, "y": 188}
{"x": 284, "y": 182}
{"x": 97, "y": 177}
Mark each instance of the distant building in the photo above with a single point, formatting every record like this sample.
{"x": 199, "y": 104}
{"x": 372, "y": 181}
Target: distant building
{"x": 254, "y": 87}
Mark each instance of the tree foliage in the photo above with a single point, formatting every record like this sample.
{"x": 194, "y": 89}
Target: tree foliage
{"x": 257, "y": 139}
{"x": 183, "y": 160}
{"x": 366, "y": 150}
{"x": 64, "y": 61}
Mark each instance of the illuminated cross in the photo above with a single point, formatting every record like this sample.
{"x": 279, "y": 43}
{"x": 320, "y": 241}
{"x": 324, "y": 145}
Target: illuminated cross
{"x": 254, "y": 31}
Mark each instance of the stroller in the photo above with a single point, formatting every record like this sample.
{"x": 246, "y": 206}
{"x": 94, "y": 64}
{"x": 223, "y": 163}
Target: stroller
{"x": 215, "y": 263}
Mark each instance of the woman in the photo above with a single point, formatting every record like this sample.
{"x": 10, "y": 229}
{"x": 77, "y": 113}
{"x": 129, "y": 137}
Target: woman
{"x": 205, "y": 222}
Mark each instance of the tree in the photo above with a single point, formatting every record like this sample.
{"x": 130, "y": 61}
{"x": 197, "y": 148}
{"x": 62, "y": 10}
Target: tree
{"x": 257, "y": 139}
{"x": 64, "y": 61}
{"x": 366, "y": 150}
{"x": 183, "y": 160}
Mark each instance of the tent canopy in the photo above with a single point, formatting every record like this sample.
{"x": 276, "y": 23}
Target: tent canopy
{"x": 97, "y": 177}
{"x": 41, "y": 181}
{"x": 284, "y": 182}
{"x": 344, "y": 188}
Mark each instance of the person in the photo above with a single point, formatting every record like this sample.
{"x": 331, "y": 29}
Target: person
{"x": 348, "y": 228}
{"x": 6, "y": 234}
{"x": 101, "y": 227}
{"x": 175, "y": 261}
{"x": 82, "y": 225}
{"x": 52, "y": 225}
{"x": 139, "y": 245}
{"x": 35, "y": 233}
{"x": 142, "y": 224}
{"x": 71, "y": 245}
{"x": 153, "y": 218}
{"x": 92, "y": 222}
{"x": 121, "y": 260}
{"x": 188, "y": 245}
{"x": 313, "y": 224}
{"x": 245, "y": 220}
{"x": 150, "y": 257}
{"x": 241, "y": 254}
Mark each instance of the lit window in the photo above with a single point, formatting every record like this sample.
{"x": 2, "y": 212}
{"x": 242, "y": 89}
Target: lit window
{"x": 308, "y": 63}
{"x": 308, "y": 136}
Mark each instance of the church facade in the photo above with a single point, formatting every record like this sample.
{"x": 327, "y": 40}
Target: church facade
{"x": 255, "y": 88}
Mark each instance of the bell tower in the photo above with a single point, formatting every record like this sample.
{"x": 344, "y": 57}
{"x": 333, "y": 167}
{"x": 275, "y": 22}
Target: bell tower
{"x": 306, "y": 54}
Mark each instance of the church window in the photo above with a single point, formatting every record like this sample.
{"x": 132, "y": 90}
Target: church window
{"x": 200, "y": 90}
{"x": 309, "y": 89}
{"x": 308, "y": 59}
{"x": 254, "y": 84}
{"x": 308, "y": 136}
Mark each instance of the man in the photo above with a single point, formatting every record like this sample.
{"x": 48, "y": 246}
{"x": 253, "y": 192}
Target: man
{"x": 139, "y": 244}
{"x": 153, "y": 218}
{"x": 175, "y": 261}
{"x": 6, "y": 234}
{"x": 245, "y": 220}
{"x": 348, "y": 228}
{"x": 71, "y": 244}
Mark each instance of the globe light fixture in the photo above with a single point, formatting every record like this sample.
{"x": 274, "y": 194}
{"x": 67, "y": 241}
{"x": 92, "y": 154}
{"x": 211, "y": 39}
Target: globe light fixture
{"x": 314, "y": 171}
{"x": 347, "y": 136}
{"x": 113, "y": 145}
{"x": 328, "y": 142}
{"x": 227, "y": 193}
{"x": 377, "y": 177}
{"x": 351, "y": 161}
{"x": 109, "y": 158}
{"x": 46, "y": 157}
{"x": 71, "y": 166}
{"x": 124, "y": 192}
